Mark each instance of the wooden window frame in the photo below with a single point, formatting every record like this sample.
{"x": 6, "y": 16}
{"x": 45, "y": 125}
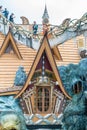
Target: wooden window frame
{"x": 43, "y": 100}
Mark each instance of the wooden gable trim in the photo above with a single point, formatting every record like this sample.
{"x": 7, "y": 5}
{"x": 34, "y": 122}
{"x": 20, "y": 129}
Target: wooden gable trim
{"x": 56, "y": 53}
{"x": 9, "y": 93}
{"x": 8, "y": 38}
{"x": 44, "y": 47}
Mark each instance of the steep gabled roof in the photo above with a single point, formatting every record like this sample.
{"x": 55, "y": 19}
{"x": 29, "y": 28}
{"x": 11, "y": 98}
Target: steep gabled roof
{"x": 44, "y": 47}
{"x": 56, "y": 53}
{"x": 10, "y": 40}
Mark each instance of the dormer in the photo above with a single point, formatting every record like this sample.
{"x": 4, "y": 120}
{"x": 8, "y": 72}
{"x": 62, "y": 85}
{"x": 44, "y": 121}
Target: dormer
{"x": 9, "y": 46}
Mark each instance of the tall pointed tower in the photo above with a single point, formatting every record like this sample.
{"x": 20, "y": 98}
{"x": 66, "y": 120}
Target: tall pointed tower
{"x": 45, "y": 17}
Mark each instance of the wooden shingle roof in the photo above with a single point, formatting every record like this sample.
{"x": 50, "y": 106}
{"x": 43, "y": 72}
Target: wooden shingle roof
{"x": 9, "y": 63}
{"x": 69, "y": 53}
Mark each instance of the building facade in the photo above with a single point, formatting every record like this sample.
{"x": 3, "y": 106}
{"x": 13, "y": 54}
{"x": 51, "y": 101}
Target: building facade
{"x": 40, "y": 73}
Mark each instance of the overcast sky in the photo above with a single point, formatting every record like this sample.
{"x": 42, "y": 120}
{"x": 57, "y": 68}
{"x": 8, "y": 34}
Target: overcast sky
{"x": 58, "y": 10}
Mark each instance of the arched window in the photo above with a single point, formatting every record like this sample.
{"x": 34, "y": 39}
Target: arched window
{"x": 77, "y": 87}
{"x": 43, "y": 99}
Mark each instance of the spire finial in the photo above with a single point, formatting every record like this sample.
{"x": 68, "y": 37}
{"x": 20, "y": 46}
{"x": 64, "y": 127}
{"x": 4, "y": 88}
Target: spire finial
{"x": 45, "y": 16}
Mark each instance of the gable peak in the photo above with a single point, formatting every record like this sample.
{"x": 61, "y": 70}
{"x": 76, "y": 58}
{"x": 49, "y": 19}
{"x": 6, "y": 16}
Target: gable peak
{"x": 9, "y": 45}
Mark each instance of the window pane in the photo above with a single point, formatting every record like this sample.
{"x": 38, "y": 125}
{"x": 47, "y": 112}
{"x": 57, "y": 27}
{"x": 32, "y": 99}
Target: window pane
{"x": 43, "y": 99}
{"x": 46, "y": 99}
{"x": 39, "y": 99}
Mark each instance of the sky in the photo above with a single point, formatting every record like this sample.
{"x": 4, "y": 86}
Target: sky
{"x": 58, "y": 10}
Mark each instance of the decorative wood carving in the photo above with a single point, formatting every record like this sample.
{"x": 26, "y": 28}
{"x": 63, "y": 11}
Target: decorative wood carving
{"x": 59, "y": 103}
{"x": 28, "y": 104}
{"x": 26, "y": 101}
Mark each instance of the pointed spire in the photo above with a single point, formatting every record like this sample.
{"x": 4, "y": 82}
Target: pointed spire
{"x": 45, "y": 15}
